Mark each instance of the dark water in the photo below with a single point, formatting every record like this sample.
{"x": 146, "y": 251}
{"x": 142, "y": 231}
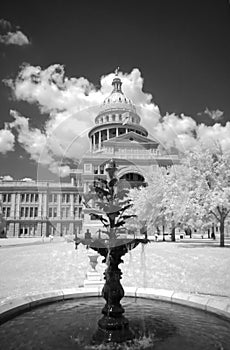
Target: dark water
{"x": 157, "y": 325}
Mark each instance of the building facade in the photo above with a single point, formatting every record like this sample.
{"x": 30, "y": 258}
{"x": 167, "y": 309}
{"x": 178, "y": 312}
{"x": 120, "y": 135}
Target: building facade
{"x": 40, "y": 209}
{"x": 36, "y": 209}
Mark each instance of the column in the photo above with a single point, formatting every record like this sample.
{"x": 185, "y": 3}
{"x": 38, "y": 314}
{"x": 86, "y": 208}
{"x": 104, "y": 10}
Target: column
{"x": 16, "y": 229}
{"x": 45, "y": 199}
{"x": 107, "y": 134}
{"x": 99, "y": 140}
{"x": 10, "y": 232}
{"x": 13, "y": 206}
{"x": 71, "y": 205}
{"x": 116, "y": 132}
{"x": 59, "y": 205}
{"x": 17, "y": 202}
{"x": 40, "y": 205}
{"x": 93, "y": 141}
{"x": 71, "y": 228}
{"x": 39, "y": 230}
{"x": 58, "y": 229}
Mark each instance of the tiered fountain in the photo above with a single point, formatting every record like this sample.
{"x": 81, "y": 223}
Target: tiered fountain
{"x": 111, "y": 205}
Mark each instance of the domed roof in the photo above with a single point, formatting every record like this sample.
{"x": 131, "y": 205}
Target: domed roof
{"x": 117, "y": 99}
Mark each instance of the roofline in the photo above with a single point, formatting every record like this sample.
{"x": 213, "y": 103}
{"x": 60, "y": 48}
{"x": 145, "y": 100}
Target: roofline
{"x": 110, "y": 125}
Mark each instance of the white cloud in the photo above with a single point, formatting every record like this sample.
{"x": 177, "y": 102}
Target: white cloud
{"x": 27, "y": 179}
{"x": 214, "y": 115}
{"x": 6, "y": 141}
{"x": 9, "y": 36}
{"x": 212, "y": 136}
{"x": 73, "y": 103}
{"x": 176, "y": 131}
{"x": 6, "y": 178}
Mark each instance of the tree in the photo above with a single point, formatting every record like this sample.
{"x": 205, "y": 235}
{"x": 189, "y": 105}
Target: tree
{"x": 210, "y": 180}
{"x": 163, "y": 200}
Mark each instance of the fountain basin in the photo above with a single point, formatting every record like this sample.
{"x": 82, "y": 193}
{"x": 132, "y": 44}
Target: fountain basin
{"x": 220, "y": 307}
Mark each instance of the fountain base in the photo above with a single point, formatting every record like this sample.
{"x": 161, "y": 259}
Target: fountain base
{"x": 112, "y": 330}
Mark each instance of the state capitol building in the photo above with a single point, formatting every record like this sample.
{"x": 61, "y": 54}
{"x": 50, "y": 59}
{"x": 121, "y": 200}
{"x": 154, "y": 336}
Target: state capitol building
{"x": 34, "y": 208}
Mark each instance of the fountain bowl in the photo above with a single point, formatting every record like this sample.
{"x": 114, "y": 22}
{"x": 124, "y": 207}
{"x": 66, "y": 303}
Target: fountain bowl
{"x": 167, "y": 331}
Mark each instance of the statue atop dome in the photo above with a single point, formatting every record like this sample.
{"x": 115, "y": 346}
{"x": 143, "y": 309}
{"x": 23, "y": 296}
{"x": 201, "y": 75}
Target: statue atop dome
{"x": 117, "y": 70}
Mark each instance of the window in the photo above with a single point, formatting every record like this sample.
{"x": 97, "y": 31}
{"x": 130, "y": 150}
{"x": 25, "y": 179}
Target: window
{"x": 27, "y": 197}
{"x": 6, "y": 211}
{"x": 36, "y": 197}
{"x": 35, "y": 212}
{"x": 53, "y": 212}
{"x": 31, "y": 212}
{"x": 76, "y": 198}
{"x": 63, "y": 213}
{"x": 53, "y": 198}
{"x": 101, "y": 169}
{"x": 26, "y": 212}
{"x": 80, "y": 212}
{"x": 113, "y": 117}
{"x": 75, "y": 212}
{"x": 6, "y": 198}
{"x": 23, "y": 197}
{"x": 65, "y": 198}
{"x": 22, "y": 212}
{"x": 95, "y": 169}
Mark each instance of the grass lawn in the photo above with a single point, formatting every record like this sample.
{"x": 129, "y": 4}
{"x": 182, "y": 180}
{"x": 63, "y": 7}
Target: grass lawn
{"x": 190, "y": 267}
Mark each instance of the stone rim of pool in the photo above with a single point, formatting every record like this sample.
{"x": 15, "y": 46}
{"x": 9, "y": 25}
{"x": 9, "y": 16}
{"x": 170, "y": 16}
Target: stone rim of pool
{"x": 217, "y": 305}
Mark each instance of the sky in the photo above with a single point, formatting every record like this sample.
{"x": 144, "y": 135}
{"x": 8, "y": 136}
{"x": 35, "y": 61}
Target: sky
{"x": 57, "y": 62}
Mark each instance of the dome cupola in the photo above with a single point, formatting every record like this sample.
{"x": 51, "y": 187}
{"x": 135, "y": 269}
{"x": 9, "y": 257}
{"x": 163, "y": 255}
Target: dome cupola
{"x": 117, "y": 99}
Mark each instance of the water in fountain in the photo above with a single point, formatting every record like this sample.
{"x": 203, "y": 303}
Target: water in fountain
{"x": 157, "y": 325}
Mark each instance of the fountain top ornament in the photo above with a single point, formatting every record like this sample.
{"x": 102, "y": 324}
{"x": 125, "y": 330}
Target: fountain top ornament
{"x": 110, "y": 202}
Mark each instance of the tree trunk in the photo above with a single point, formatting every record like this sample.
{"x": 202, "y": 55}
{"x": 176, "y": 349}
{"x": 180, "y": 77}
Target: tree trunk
{"x": 163, "y": 232}
{"x": 213, "y": 232}
{"x": 173, "y": 233}
{"x": 222, "y": 232}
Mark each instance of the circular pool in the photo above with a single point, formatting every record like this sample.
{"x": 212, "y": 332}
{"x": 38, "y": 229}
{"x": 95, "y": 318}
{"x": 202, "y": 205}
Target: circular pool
{"x": 157, "y": 325}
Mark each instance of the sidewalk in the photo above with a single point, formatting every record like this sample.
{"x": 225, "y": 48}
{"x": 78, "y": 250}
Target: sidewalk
{"x": 13, "y": 242}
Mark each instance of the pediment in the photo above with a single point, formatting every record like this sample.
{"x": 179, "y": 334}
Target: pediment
{"x": 131, "y": 137}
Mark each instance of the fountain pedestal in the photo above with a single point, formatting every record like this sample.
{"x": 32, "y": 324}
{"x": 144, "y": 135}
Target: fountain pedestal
{"x": 113, "y": 326}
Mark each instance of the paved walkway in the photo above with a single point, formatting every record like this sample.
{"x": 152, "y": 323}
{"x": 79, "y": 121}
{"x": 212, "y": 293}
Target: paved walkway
{"x": 12, "y": 242}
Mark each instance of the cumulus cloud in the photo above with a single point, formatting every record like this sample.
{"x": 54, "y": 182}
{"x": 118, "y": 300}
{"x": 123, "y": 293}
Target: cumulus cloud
{"x": 6, "y": 141}
{"x": 214, "y": 136}
{"x": 27, "y": 179}
{"x": 214, "y": 115}
{"x": 11, "y": 36}
{"x": 6, "y": 178}
{"x": 73, "y": 103}
{"x": 176, "y": 131}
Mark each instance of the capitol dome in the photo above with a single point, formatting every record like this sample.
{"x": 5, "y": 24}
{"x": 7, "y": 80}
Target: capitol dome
{"x": 117, "y": 99}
